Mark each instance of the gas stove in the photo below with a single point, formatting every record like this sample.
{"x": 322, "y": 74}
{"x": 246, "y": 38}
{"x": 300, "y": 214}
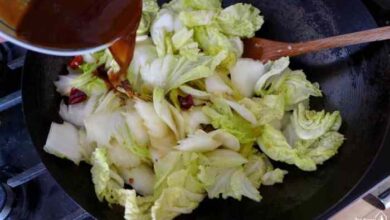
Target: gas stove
{"x": 27, "y": 190}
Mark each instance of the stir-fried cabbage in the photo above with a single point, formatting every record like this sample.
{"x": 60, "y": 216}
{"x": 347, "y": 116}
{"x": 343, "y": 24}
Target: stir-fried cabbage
{"x": 203, "y": 120}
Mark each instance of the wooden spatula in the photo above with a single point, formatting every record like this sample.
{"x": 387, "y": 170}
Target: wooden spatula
{"x": 264, "y": 50}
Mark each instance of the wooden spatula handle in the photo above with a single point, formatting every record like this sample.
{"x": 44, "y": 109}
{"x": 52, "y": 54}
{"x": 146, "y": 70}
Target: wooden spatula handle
{"x": 372, "y": 35}
{"x": 263, "y": 49}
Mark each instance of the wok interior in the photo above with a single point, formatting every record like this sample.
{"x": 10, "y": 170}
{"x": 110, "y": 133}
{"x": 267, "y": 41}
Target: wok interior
{"x": 353, "y": 81}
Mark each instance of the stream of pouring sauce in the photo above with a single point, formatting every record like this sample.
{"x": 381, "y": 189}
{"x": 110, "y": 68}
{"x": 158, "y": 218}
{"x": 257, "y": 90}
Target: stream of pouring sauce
{"x": 71, "y": 24}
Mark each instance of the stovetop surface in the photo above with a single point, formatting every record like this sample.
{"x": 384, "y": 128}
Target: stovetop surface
{"x": 42, "y": 196}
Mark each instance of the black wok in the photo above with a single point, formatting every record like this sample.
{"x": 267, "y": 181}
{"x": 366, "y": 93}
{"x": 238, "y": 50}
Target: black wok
{"x": 355, "y": 80}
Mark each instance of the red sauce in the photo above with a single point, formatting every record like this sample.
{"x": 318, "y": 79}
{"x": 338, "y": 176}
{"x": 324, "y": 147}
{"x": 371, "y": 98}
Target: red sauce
{"x": 102, "y": 73}
{"x": 71, "y": 24}
{"x": 123, "y": 50}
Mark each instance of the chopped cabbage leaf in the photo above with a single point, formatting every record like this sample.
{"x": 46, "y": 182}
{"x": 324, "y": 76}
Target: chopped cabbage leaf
{"x": 274, "y": 145}
{"x": 226, "y": 139}
{"x": 170, "y": 72}
{"x": 216, "y": 85}
{"x": 172, "y": 162}
{"x": 105, "y": 179}
{"x": 88, "y": 58}
{"x": 227, "y": 182}
{"x": 144, "y": 53}
{"x": 88, "y": 82}
{"x": 87, "y": 147}
{"x": 150, "y": 6}
{"x": 241, "y": 20}
{"x": 276, "y": 68}
{"x": 273, "y": 176}
{"x": 161, "y": 138}
{"x": 166, "y": 22}
{"x": 63, "y": 141}
{"x": 221, "y": 116}
{"x": 198, "y": 142}
{"x": 257, "y": 165}
{"x": 224, "y": 158}
{"x": 309, "y": 124}
{"x": 237, "y": 46}
{"x": 195, "y": 92}
{"x": 242, "y": 186}
{"x": 64, "y": 83}
{"x": 324, "y": 147}
{"x": 305, "y": 154}
{"x": 165, "y": 166}
{"x": 179, "y": 120}
{"x": 213, "y": 43}
{"x": 177, "y": 187}
{"x": 161, "y": 106}
{"x": 156, "y": 73}
{"x": 242, "y": 111}
{"x": 184, "y": 44}
{"x": 185, "y": 5}
{"x": 295, "y": 88}
{"x": 108, "y": 102}
{"x": 138, "y": 131}
{"x": 244, "y": 75}
{"x": 77, "y": 113}
{"x": 125, "y": 138}
{"x": 182, "y": 37}
{"x": 100, "y": 172}
{"x": 112, "y": 121}
{"x": 171, "y": 37}
{"x": 185, "y": 178}
{"x": 197, "y": 18}
{"x": 141, "y": 178}
{"x": 186, "y": 71}
{"x": 175, "y": 201}
{"x": 156, "y": 127}
{"x": 149, "y": 11}
{"x": 145, "y": 23}
{"x": 121, "y": 156}
{"x": 201, "y": 141}
{"x": 266, "y": 109}
{"x": 193, "y": 119}
{"x": 136, "y": 207}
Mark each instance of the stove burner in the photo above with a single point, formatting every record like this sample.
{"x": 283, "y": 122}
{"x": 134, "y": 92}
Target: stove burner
{"x": 6, "y": 201}
{"x": 13, "y": 200}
